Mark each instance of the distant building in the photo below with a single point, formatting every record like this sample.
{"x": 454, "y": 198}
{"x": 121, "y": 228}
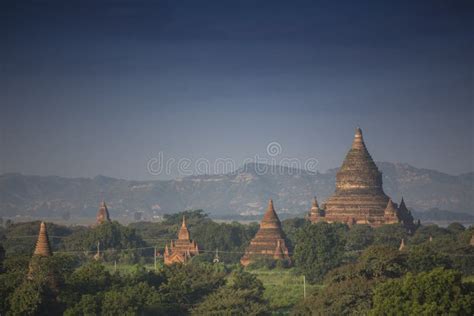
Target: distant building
{"x": 269, "y": 241}
{"x": 359, "y": 196}
{"x": 103, "y": 214}
{"x": 42, "y": 250}
{"x": 182, "y": 249}
{"x": 315, "y": 213}
{"x": 43, "y": 247}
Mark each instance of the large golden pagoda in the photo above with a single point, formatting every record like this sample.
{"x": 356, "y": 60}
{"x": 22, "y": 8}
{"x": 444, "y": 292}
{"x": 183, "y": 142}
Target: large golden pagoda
{"x": 359, "y": 196}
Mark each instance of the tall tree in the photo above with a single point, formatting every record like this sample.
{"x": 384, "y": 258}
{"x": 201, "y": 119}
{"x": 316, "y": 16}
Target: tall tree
{"x": 319, "y": 248}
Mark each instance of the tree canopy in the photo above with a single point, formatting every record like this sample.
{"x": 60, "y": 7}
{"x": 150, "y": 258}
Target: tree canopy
{"x": 437, "y": 292}
{"x": 319, "y": 248}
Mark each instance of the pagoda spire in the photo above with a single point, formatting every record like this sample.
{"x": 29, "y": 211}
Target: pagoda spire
{"x": 315, "y": 212}
{"x": 103, "y": 214}
{"x": 270, "y": 205}
{"x": 183, "y": 232}
{"x": 403, "y": 208}
{"x": 43, "y": 251}
{"x": 315, "y": 205}
{"x": 270, "y": 214}
{"x": 405, "y": 215}
{"x": 358, "y": 142}
{"x": 43, "y": 247}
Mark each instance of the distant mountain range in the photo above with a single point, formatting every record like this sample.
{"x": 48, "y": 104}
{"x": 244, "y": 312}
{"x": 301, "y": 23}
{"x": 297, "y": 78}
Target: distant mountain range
{"x": 240, "y": 194}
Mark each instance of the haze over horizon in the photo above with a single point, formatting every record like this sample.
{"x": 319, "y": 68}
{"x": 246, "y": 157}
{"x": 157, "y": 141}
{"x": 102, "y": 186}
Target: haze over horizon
{"x": 95, "y": 88}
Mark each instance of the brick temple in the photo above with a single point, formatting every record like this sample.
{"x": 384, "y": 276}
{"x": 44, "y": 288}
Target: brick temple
{"x": 43, "y": 247}
{"x": 359, "y": 196}
{"x": 42, "y": 250}
{"x": 315, "y": 212}
{"x": 103, "y": 215}
{"x": 182, "y": 249}
{"x": 269, "y": 242}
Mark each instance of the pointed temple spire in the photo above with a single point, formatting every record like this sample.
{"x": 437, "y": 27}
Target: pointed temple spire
{"x": 359, "y": 197}
{"x": 315, "y": 212}
{"x": 405, "y": 216}
{"x": 269, "y": 242}
{"x": 183, "y": 231}
{"x": 43, "y": 247}
{"x": 181, "y": 249}
{"x": 391, "y": 215}
{"x": 315, "y": 205}
{"x": 358, "y": 142}
{"x": 270, "y": 215}
{"x": 402, "y": 203}
{"x": 103, "y": 214}
{"x": 42, "y": 251}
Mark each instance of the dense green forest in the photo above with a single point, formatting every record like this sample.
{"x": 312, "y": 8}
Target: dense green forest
{"x": 347, "y": 270}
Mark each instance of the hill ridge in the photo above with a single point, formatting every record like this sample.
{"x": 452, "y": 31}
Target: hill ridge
{"x": 240, "y": 192}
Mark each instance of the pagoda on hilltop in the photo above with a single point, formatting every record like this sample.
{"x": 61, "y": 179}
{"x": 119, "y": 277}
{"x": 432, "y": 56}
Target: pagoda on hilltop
{"x": 359, "y": 196}
{"x": 103, "y": 215}
{"x": 269, "y": 242}
{"x": 182, "y": 249}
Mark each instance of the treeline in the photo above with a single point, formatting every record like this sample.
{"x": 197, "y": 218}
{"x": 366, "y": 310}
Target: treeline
{"x": 134, "y": 243}
{"x": 366, "y": 271}
{"x": 361, "y": 270}
{"x": 62, "y": 287}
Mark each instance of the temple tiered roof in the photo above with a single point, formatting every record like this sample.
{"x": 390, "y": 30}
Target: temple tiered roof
{"x": 269, "y": 241}
{"x": 359, "y": 173}
{"x": 359, "y": 196}
{"x": 181, "y": 249}
{"x": 43, "y": 247}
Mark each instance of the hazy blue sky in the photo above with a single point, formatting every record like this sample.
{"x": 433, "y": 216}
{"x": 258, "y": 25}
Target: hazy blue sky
{"x": 90, "y": 88}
